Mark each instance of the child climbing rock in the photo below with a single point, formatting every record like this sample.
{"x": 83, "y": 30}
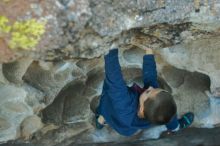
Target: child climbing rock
{"x": 128, "y": 109}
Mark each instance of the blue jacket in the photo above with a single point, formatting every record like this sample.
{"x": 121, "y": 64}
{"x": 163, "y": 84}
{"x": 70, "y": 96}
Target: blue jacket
{"x": 119, "y": 103}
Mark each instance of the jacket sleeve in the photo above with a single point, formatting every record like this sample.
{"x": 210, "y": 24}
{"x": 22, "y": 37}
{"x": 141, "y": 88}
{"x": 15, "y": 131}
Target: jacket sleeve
{"x": 150, "y": 79}
{"x": 149, "y": 71}
{"x": 115, "y": 85}
{"x": 173, "y": 125}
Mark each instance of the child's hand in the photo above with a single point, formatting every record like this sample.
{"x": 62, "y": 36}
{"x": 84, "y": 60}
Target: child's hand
{"x": 142, "y": 41}
{"x": 149, "y": 51}
{"x": 108, "y": 46}
{"x": 113, "y": 46}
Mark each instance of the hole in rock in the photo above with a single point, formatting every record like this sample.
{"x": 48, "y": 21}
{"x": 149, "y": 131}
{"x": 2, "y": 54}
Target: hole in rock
{"x": 70, "y": 105}
{"x": 38, "y": 77}
{"x": 95, "y": 78}
{"x": 174, "y": 76}
{"x": 14, "y": 71}
{"x": 190, "y": 95}
{"x": 134, "y": 55}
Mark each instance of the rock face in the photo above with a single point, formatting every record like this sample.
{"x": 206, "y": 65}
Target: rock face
{"x": 13, "y": 110}
{"x": 30, "y": 125}
{"x": 61, "y": 80}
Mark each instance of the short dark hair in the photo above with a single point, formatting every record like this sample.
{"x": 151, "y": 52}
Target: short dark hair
{"x": 160, "y": 109}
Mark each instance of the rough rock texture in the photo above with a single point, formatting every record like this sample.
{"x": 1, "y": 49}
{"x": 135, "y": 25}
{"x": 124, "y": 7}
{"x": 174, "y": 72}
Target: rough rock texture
{"x": 49, "y": 77}
{"x": 30, "y": 125}
{"x": 189, "y": 137}
{"x": 2, "y": 78}
{"x": 15, "y": 71}
{"x": 83, "y": 28}
{"x": 13, "y": 109}
{"x": 61, "y": 80}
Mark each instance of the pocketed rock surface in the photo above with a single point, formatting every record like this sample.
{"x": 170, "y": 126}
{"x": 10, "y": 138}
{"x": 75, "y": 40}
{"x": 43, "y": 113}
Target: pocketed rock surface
{"x": 58, "y": 84}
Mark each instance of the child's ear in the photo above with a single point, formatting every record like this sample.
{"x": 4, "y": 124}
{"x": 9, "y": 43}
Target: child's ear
{"x": 150, "y": 88}
{"x": 141, "y": 111}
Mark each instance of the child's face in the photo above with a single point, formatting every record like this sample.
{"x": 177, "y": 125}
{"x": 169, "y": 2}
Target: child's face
{"x": 148, "y": 93}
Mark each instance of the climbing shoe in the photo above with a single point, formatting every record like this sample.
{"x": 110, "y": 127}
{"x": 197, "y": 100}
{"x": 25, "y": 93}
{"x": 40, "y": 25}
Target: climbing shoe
{"x": 186, "y": 120}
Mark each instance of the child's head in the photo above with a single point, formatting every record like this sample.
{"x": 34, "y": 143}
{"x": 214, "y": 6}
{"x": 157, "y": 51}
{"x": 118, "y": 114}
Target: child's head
{"x": 157, "y": 106}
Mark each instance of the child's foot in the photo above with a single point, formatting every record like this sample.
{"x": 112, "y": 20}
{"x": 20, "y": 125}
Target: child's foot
{"x": 186, "y": 120}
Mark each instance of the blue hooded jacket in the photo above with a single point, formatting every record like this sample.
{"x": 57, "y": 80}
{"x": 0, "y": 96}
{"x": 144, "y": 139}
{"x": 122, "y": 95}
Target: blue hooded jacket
{"x": 119, "y": 103}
